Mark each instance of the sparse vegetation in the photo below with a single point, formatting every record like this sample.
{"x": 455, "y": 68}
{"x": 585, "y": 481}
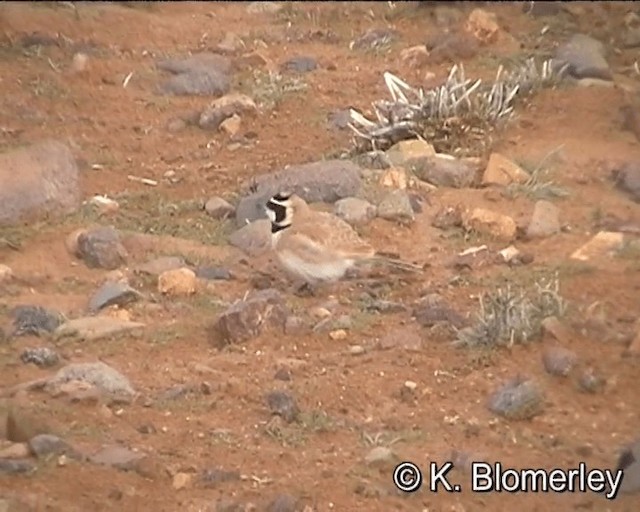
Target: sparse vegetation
{"x": 512, "y": 315}
{"x": 540, "y": 185}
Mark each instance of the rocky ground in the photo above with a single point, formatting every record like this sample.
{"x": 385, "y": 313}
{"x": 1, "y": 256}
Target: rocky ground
{"x": 155, "y": 357}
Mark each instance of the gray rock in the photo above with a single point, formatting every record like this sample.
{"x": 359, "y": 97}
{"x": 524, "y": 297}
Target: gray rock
{"x": 323, "y": 181}
{"x": 15, "y": 466}
{"x": 629, "y": 462}
{"x": 589, "y": 381}
{"x": 283, "y": 404}
{"x": 43, "y": 357}
{"x": 585, "y": 57}
{"x": 559, "y": 361}
{"x": 101, "y": 248}
{"x": 213, "y": 273}
{"x": 355, "y": 211}
{"x": 197, "y": 83}
{"x": 218, "y": 208}
{"x": 283, "y": 503}
{"x": 92, "y": 328}
{"x": 434, "y": 309}
{"x": 254, "y": 238}
{"x": 100, "y": 375}
{"x": 446, "y": 172}
{"x": 300, "y": 64}
{"x": 45, "y": 445}
{"x": 545, "y": 220}
{"x": 113, "y": 294}
{"x": 627, "y": 179}
{"x": 35, "y": 320}
{"x": 248, "y": 318}
{"x": 396, "y": 206}
{"x": 38, "y": 180}
{"x": 518, "y": 399}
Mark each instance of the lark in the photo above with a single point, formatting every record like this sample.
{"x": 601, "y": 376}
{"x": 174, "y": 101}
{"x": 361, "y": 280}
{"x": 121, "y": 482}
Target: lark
{"x": 318, "y": 247}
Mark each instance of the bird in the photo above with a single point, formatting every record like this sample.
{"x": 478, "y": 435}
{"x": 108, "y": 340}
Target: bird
{"x": 315, "y": 246}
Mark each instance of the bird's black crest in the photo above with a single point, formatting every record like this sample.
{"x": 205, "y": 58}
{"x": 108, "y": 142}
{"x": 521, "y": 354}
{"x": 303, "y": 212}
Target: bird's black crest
{"x": 281, "y": 196}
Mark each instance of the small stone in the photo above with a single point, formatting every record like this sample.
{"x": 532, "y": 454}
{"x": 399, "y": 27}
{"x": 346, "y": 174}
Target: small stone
{"x": 545, "y": 220}
{"x": 103, "y": 205}
{"x": 356, "y": 350}
{"x": 218, "y": 208}
{"x": 408, "y": 152}
{"x": 603, "y": 244}
{"x": 283, "y": 374}
{"x": 101, "y": 248}
{"x": 342, "y": 322}
{"x": 490, "y": 223}
{"x": 45, "y": 445}
{"x": 300, "y": 64}
{"x": 231, "y": 125}
{"x": 394, "y": 177}
{"x": 5, "y": 273}
{"x": 213, "y": 273}
{"x": 43, "y": 357}
{"x": 502, "y": 171}
{"x": 181, "y": 481}
{"x": 35, "y": 320}
{"x": 113, "y": 294}
{"x": 444, "y": 170}
{"x": 627, "y": 179}
{"x": 157, "y": 266}
{"x": 590, "y": 382}
{"x": 559, "y": 361}
{"x": 177, "y": 283}
{"x": 518, "y": 399}
{"x": 246, "y": 319}
{"x": 99, "y": 375}
{"x": 483, "y": 25}
{"x": 356, "y": 212}
{"x": 233, "y": 104}
{"x": 396, "y": 206}
{"x": 15, "y": 451}
{"x": 283, "y": 404}
{"x": 585, "y": 57}
{"x": 10, "y": 466}
{"x": 93, "y": 328}
{"x": 338, "y": 335}
{"x": 79, "y": 62}
{"x": 410, "y": 385}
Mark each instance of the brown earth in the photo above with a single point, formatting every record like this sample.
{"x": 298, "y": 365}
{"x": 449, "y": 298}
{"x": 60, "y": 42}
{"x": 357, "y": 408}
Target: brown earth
{"x": 356, "y": 398}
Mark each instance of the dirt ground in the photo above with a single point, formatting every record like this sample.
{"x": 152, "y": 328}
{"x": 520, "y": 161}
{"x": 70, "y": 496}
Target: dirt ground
{"x": 354, "y": 402}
